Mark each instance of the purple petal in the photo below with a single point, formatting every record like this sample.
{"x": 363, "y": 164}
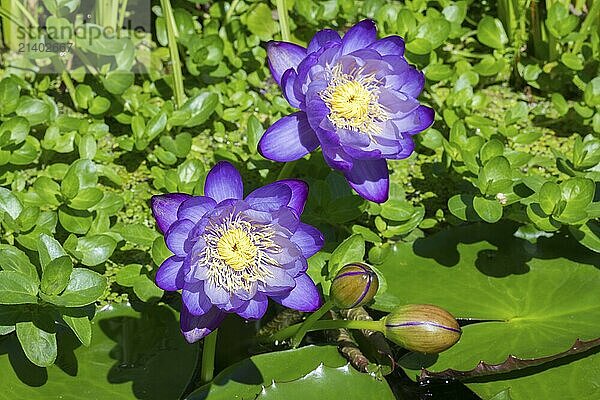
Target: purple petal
{"x": 409, "y": 81}
{"x": 321, "y": 38}
{"x": 217, "y": 294}
{"x": 195, "y": 208}
{"x": 224, "y": 182}
{"x": 196, "y": 327}
{"x": 270, "y": 197}
{"x": 391, "y": 45}
{"x": 288, "y": 139}
{"x": 299, "y": 194}
{"x": 283, "y": 56}
{"x": 170, "y": 274}
{"x": 164, "y": 208}
{"x": 287, "y": 84}
{"x": 255, "y": 308}
{"x": 308, "y": 238}
{"x": 177, "y": 235}
{"x": 417, "y": 121}
{"x": 195, "y": 299}
{"x": 359, "y": 36}
{"x": 370, "y": 179}
{"x": 304, "y": 297}
{"x": 337, "y": 158}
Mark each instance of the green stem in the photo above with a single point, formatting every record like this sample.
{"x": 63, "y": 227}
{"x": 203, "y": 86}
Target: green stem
{"x": 230, "y": 11}
{"x": 172, "y": 35}
{"x": 287, "y": 170}
{"x": 327, "y": 324}
{"x": 208, "y": 357}
{"x": 284, "y": 25}
{"x": 122, "y": 12}
{"x": 309, "y": 322}
{"x": 66, "y": 78}
{"x": 585, "y": 27}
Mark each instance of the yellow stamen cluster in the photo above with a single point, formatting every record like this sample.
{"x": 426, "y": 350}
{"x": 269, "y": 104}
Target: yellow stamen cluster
{"x": 237, "y": 252}
{"x": 236, "y": 249}
{"x": 353, "y": 101}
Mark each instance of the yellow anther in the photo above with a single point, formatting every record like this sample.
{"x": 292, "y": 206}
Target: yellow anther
{"x": 353, "y": 101}
{"x": 237, "y": 250}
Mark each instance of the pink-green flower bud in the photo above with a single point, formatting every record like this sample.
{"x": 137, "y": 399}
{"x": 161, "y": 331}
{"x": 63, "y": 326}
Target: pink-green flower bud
{"x": 354, "y": 285}
{"x": 422, "y": 327}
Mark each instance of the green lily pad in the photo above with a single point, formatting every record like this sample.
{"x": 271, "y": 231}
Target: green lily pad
{"x": 311, "y": 372}
{"x": 133, "y": 355}
{"x": 523, "y": 294}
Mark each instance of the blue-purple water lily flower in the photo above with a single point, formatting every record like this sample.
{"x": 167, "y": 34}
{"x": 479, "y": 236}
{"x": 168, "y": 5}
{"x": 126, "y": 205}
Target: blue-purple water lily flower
{"x": 358, "y": 100}
{"x": 232, "y": 253}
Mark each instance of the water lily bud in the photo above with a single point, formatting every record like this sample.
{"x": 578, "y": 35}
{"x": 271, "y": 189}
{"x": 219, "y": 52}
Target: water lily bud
{"x": 354, "y": 285}
{"x": 422, "y": 327}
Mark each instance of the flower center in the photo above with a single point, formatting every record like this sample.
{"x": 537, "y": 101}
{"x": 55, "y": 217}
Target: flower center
{"x": 236, "y": 248}
{"x": 238, "y": 252}
{"x": 353, "y": 101}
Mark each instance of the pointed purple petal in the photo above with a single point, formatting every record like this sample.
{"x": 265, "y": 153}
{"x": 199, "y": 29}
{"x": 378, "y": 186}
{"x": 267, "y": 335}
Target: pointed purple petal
{"x": 224, "y": 182}
{"x": 170, "y": 274}
{"x": 164, "y": 208}
{"x": 299, "y": 194}
{"x": 288, "y": 139}
{"x": 391, "y": 45}
{"x": 417, "y": 121}
{"x": 308, "y": 238}
{"x": 359, "y": 36}
{"x": 195, "y": 208}
{"x": 270, "y": 197}
{"x": 196, "y": 327}
{"x": 370, "y": 179}
{"x": 283, "y": 56}
{"x": 304, "y": 297}
{"x": 195, "y": 299}
{"x": 322, "y": 37}
{"x": 255, "y": 308}
{"x": 177, "y": 235}
{"x": 287, "y": 85}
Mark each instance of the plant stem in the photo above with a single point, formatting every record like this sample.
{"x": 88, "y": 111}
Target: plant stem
{"x": 586, "y": 25}
{"x": 172, "y": 35}
{"x": 208, "y": 357}
{"x": 284, "y": 25}
{"x": 230, "y": 11}
{"x": 122, "y": 13}
{"x": 328, "y": 324}
{"x": 310, "y": 321}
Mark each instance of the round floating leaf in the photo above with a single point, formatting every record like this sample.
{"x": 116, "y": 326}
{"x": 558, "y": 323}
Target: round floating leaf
{"x": 325, "y": 383}
{"x": 132, "y": 355}
{"x": 522, "y": 293}
{"x": 247, "y": 378}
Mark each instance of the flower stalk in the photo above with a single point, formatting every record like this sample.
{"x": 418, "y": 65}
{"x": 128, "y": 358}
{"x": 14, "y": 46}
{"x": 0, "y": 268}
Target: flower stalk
{"x": 174, "y": 52}
{"x": 327, "y": 324}
{"x": 208, "y": 357}
{"x": 310, "y": 321}
{"x": 284, "y": 24}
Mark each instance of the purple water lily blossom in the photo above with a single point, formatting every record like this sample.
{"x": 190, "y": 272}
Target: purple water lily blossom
{"x": 358, "y": 100}
{"x": 232, "y": 253}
